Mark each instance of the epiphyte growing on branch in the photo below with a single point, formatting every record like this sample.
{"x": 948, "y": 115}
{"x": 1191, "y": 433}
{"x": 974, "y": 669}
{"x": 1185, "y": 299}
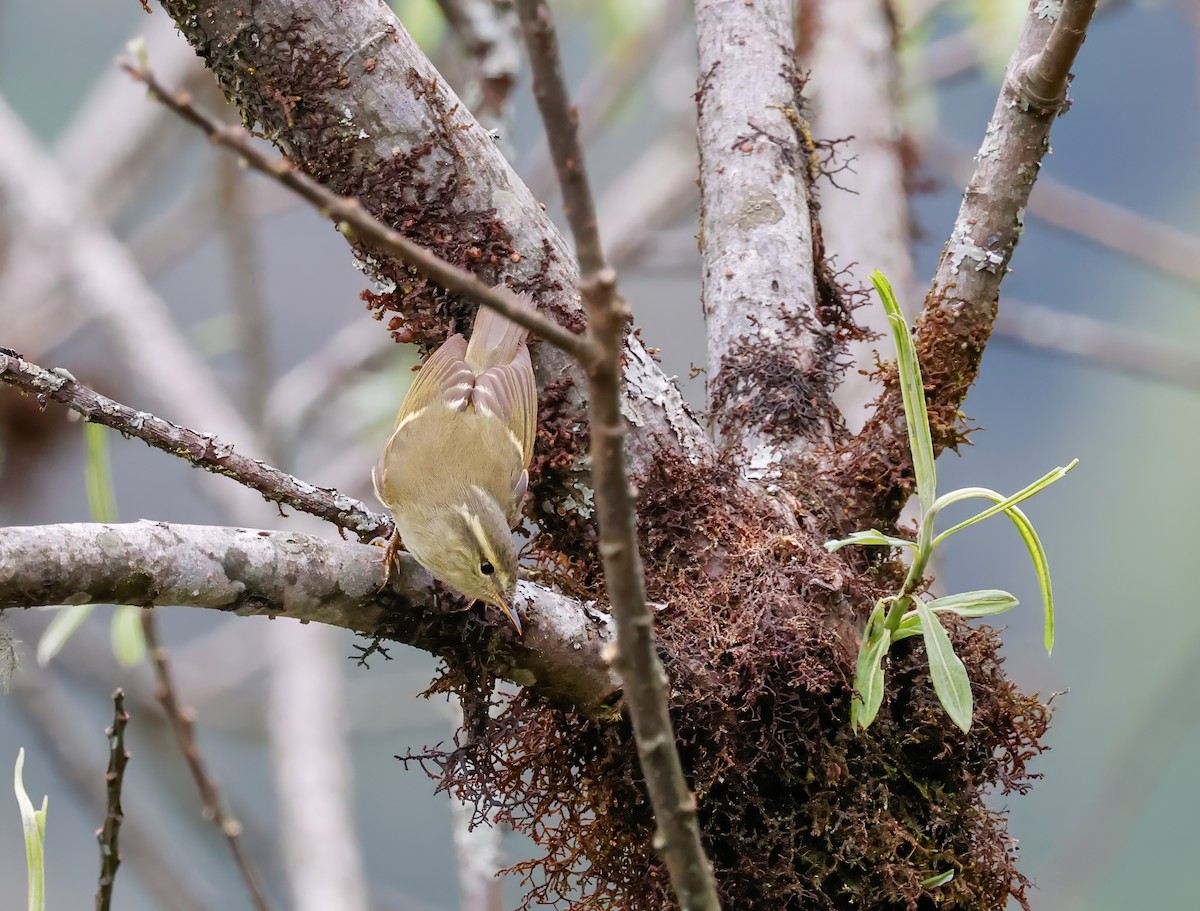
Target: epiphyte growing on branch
{"x": 906, "y": 613}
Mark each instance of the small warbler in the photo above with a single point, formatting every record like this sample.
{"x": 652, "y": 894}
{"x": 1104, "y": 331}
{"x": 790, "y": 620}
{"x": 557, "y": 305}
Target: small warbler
{"x": 455, "y": 468}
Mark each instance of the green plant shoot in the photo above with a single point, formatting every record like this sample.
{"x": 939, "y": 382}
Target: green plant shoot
{"x": 34, "y": 823}
{"x": 904, "y": 614}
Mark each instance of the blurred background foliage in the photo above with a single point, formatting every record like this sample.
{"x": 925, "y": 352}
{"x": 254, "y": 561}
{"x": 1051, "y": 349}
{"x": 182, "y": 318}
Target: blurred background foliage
{"x": 1113, "y": 823}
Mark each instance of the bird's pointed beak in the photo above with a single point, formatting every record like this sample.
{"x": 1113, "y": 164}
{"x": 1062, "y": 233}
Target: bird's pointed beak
{"x": 509, "y": 612}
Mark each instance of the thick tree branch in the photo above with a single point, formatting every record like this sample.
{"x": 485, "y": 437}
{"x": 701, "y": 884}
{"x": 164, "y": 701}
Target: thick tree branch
{"x": 646, "y": 687}
{"x": 347, "y": 96}
{"x": 356, "y": 222}
{"x": 204, "y": 450}
{"x": 873, "y": 472}
{"x": 770, "y": 359}
{"x": 280, "y": 574}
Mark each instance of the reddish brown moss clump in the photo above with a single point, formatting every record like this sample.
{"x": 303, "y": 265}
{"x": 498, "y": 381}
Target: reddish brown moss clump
{"x": 798, "y": 812}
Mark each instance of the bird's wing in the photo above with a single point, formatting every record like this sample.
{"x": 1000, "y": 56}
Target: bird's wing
{"x": 445, "y": 375}
{"x": 509, "y": 393}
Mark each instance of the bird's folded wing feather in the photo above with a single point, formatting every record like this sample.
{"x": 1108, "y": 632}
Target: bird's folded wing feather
{"x": 508, "y": 391}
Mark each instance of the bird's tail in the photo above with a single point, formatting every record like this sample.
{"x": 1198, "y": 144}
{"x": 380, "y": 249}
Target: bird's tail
{"x": 494, "y": 338}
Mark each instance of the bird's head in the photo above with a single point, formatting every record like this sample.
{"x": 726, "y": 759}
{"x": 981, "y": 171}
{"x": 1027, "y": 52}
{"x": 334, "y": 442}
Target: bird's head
{"x": 469, "y": 546}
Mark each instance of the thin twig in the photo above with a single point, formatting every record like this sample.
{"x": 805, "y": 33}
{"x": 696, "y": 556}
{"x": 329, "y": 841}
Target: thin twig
{"x": 598, "y": 96}
{"x": 184, "y": 725}
{"x": 203, "y": 450}
{"x": 161, "y": 865}
{"x": 561, "y": 121}
{"x": 354, "y": 221}
{"x": 109, "y": 833}
{"x": 645, "y": 681}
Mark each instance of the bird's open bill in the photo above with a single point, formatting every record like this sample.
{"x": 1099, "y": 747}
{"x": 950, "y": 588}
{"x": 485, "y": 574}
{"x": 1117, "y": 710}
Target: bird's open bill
{"x": 510, "y": 613}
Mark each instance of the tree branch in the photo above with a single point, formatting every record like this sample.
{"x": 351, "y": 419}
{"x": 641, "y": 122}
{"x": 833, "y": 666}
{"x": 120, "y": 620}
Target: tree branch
{"x": 109, "y": 833}
{"x": 279, "y": 574}
{"x": 865, "y": 217}
{"x": 1105, "y": 345}
{"x": 204, "y": 450}
{"x": 183, "y": 724}
{"x": 356, "y": 222}
{"x": 344, "y": 92}
{"x": 770, "y": 359}
{"x": 488, "y": 32}
{"x": 646, "y": 687}
{"x": 1043, "y": 78}
{"x": 873, "y": 472}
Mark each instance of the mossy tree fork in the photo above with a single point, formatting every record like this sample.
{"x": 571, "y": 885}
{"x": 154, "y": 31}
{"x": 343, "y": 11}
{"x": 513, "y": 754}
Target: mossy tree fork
{"x": 361, "y": 115}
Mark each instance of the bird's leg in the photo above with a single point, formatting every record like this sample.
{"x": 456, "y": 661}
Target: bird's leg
{"x": 391, "y": 546}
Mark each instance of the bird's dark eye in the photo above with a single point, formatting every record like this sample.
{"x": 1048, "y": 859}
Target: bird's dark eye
{"x": 486, "y": 568}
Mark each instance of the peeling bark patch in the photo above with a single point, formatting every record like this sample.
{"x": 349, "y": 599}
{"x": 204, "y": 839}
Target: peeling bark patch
{"x": 760, "y": 208}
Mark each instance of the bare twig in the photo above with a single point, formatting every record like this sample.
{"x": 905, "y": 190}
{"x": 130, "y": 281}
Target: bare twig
{"x": 254, "y": 572}
{"x": 109, "y": 833}
{"x": 203, "y": 450}
{"x": 169, "y": 880}
{"x": 355, "y": 221}
{"x": 183, "y": 723}
{"x": 561, "y": 121}
{"x": 599, "y": 96}
{"x": 1093, "y": 341}
{"x": 645, "y": 681}
{"x": 872, "y": 471}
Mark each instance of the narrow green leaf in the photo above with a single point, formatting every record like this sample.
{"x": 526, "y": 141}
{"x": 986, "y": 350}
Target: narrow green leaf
{"x": 912, "y": 389}
{"x": 34, "y": 824}
{"x": 950, "y": 680}
{"x": 66, "y": 621}
{"x": 102, "y": 501}
{"x": 1024, "y": 494}
{"x": 1032, "y": 543}
{"x": 868, "y": 673}
{"x": 939, "y": 879}
{"x": 128, "y": 640}
{"x": 870, "y": 538}
{"x": 983, "y": 603}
